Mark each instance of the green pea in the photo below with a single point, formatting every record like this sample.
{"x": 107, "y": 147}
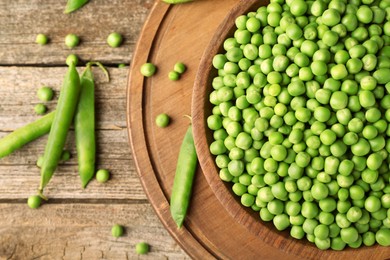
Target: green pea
{"x": 382, "y": 76}
{"x": 266, "y": 215}
{"x": 114, "y": 39}
{"x": 369, "y": 238}
{"x": 173, "y": 75}
{"x": 349, "y": 235}
{"x": 297, "y": 232}
{"x": 117, "y": 230}
{"x": 45, "y": 93}
{"x": 331, "y": 17}
{"x": 34, "y": 201}
{"x": 148, "y": 69}
{"x": 366, "y": 98}
{"x": 321, "y": 231}
{"x": 364, "y": 14}
{"x": 41, "y": 39}
{"x": 309, "y": 210}
{"x": 72, "y": 40}
{"x": 40, "y": 109}
{"x": 142, "y": 248}
{"x": 281, "y": 222}
{"x": 179, "y": 67}
{"x": 102, "y": 175}
{"x": 278, "y": 153}
{"x": 163, "y": 120}
{"x": 330, "y": 38}
{"x": 294, "y": 32}
{"x": 337, "y": 244}
{"x": 361, "y": 148}
{"x": 247, "y": 200}
{"x": 319, "y": 191}
{"x": 72, "y": 58}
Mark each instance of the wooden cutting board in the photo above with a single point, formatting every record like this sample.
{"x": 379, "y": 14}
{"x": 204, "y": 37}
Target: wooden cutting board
{"x": 182, "y": 33}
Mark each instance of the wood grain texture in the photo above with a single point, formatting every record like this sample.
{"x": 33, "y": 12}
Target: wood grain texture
{"x": 82, "y": 231}
{"x": 22, "y": 20}
{"x": 75, "y": 223}
{"x": 20, "y": 175}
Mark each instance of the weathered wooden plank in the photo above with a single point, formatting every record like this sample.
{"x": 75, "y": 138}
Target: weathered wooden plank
{"x": 21, "y": 21}
{"x": 19, "y": 85}
{"x": 19, "y": 175}
{"x": 82, "y": 231}
{"x": 75, "y": 223}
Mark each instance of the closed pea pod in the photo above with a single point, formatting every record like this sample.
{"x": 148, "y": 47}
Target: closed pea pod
{"x": 63, "y": 118}
{"x": 184, "y": 176}
{"x": 25, "y": 134}
{"x": 84, "y": 123}
{"x": 73, "y": 5}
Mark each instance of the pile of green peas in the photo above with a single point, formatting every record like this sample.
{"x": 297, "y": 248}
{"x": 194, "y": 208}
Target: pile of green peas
{"x": 301, "y": 108}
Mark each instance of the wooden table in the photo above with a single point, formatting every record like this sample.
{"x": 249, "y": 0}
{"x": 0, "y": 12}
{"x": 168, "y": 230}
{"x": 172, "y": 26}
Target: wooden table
{"x": 75, "y": 223}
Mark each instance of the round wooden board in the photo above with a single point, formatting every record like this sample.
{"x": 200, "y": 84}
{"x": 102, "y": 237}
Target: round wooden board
{"x": 182, "y": 33}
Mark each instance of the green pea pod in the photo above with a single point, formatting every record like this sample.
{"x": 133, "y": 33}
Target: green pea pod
{"x": 176, "y": 1}
{"x": 184, "y": 176}
{"x": 84, "y": 124}
{"x": 73, "y": 5}
{"x": 66, "y": 107}
{"x": 25, "y": 134}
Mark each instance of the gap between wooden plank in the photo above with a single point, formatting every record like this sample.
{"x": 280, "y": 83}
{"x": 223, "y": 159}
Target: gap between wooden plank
{"x": 59, "y": 65}
{"x": 81, "y": 201}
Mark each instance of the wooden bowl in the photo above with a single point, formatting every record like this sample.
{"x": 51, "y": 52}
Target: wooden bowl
{"x": 201, "y": 109}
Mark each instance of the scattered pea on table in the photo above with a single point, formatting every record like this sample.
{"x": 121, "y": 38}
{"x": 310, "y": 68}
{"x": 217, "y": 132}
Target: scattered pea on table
{"x": 173, "y": 75}
{"x": 114, "y": 39}
{"x": 142, "y": 248}
{"x": 117, "y": 230}
{"x": 180, "y": 67}
{"x": 34, "y": 201}
{"x": 72, "y": 58}
{"x": 72, "y": 40}
{"x": 162, "y": 120}
{"x": 40, "y": 109}
{"x": 45, "y": 93}
{"x": 148, "y": 69}
{"x": 102, "y": 175}
{"x": 41, "y": 39}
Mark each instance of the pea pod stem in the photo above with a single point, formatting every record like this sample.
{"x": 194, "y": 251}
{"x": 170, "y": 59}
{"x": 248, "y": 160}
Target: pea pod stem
{"x": 89, "y": 64}
{"x": 183, "y": 181}
{"x": 84, "y": 123}
{"x": 25, "y": 134}
{"x": 73, "y": 5}
{"x": 63, "y": 118}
